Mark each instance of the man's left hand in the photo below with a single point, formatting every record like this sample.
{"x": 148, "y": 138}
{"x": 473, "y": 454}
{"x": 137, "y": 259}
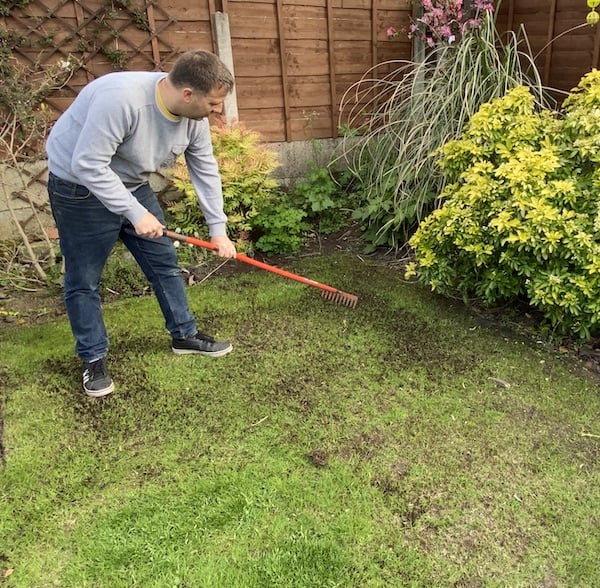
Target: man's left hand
{"x": 223, "y": 246}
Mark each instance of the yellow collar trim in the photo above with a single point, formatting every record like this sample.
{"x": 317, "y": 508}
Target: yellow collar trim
{"x": 161, "y": 106}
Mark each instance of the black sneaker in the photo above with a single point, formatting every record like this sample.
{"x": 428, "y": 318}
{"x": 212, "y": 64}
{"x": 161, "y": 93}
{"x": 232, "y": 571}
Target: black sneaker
{"x": 201, "y": 343}
{"x": 96, "y": 379}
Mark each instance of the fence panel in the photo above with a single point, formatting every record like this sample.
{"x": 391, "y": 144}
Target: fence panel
{"x": 294, "y": 59}
{"x": 103, "y": 35}
{"x": 564, "y": 45}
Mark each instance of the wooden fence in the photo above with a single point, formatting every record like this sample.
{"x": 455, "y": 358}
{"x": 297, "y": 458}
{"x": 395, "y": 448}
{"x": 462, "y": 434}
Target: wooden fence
{"x": 293, "y": 59}
{"x": 565, "y": 46}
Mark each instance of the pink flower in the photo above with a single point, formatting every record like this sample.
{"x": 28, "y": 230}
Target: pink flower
{"x": 391, "y": 32}
{"x": 445, "y": 32}
{"x": 484, "y": 5}
{"x": 445, "y": 20}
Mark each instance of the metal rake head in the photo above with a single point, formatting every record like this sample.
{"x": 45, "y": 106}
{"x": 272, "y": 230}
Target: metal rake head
{"x": 340, "y": 297}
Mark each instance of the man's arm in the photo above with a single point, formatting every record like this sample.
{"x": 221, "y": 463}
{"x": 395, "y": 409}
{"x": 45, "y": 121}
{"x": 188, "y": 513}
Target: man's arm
{"x": 204, "y": 175}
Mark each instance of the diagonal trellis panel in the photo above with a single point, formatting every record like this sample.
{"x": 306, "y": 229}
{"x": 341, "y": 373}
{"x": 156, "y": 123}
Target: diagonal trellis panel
{"x": 101, "y": 35}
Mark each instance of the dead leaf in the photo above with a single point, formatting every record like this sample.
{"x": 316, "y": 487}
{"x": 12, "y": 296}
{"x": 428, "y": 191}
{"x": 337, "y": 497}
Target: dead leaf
{"x": 500, "y": 383}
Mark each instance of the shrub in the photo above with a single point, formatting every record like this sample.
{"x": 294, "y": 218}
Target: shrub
{"x": 409, "y": 113}
{"x": 280, "y": 228}
{"x": 246, "y": 164}
{"x": 325, "y": 196}
{"x": 256, "y": 207}
{"x": 520, "y": 214}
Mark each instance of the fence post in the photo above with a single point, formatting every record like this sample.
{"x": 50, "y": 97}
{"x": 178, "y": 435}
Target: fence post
{"x": 284, "y": 70}
{"x": 332, "y": 76}
{"x": 220, "y": 23}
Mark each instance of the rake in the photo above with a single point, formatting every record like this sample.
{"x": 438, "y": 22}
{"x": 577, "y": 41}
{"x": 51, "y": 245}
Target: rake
{"x": 329, "y": 292}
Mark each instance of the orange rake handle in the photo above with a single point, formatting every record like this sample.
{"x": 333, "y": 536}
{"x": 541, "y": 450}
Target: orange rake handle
{"x": 329, "y": 292}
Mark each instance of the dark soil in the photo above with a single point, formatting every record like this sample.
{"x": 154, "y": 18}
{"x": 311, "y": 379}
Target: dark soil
{"x": 35, "y": 305}
{"x": 19, "y": 307}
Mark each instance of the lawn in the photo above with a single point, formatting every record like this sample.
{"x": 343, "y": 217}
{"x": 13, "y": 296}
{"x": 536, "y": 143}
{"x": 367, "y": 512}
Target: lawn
{"x": 405, "y": 442}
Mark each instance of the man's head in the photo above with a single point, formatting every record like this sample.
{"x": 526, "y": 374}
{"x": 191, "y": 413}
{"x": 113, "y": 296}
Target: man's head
{"x": 201, "y": 71}
{"x": 200, "y": 82}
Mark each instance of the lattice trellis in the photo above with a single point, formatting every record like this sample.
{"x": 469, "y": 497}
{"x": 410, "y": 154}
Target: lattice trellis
{"x": 102, "y": 35}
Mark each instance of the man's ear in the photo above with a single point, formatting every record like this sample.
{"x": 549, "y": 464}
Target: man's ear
{"x": 187, "y": 94}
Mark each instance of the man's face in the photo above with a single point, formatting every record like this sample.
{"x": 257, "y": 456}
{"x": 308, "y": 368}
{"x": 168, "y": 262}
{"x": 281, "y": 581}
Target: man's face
{"x": 200, "y": 106}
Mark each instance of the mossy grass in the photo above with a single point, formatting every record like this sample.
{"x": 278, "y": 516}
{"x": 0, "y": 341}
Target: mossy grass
{"x": 401, "y": 443}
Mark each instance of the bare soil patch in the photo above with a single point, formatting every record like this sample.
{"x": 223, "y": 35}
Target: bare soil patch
{"x": 25, "y": 306}
{"x": 22, "y": 307}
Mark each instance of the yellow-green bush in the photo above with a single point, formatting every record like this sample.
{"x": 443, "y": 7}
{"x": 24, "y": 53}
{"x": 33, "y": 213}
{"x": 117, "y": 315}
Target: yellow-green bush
{"x": 521, "y": 213}
{"x": 246, "y": 165}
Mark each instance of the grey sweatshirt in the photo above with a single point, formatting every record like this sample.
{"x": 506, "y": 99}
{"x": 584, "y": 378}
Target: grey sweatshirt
{"x": 114, "y": 135}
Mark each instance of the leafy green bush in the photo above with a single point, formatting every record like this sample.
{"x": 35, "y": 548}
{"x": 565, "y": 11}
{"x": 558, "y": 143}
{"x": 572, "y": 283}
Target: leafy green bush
{"x": 520, "y": 214}
{"x": 324, "y": 195}
{"x": 257, "y": 209}
{"x": 280, "y": 228}
{"x": 246, "y": 164}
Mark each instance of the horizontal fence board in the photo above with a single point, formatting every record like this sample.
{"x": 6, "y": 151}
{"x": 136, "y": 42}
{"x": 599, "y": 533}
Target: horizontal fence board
{"x": 304, "y": 22}
{"x": 317, "y": 52}
{"x": 264, "y": 92}
{"x": 187, "y": 11}
{"x": 310, "y": 92}
{"x": 353, "y": 4}
{"x": 352, "y": 57}
{"x": 270, "y": 122}
{"x": 188, "y": 38}
{"x": 352, "y": 24}
{"x": 397, "y": 5}
{"x": 307, "y": 58}
{"x": 253, "y": 20}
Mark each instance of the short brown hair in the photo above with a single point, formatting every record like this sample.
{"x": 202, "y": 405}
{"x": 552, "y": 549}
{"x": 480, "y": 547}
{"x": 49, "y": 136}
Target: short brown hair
{"x": 201, "y": 71}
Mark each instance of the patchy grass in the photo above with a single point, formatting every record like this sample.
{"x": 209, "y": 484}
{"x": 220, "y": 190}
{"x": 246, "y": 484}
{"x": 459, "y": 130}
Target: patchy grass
{"x": 401, "y": 443}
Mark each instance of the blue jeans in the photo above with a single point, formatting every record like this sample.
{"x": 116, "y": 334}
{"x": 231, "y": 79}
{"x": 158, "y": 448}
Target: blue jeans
{"x": 88, "y": 232}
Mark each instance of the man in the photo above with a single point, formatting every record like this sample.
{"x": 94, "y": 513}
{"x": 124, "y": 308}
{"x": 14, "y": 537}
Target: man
{"x": 101, "y": 153}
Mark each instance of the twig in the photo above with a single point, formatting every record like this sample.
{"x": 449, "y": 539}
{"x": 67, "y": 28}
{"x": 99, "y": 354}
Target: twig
{"x": 499, "y": 382}
{"x": 590, "y": 435}
{"x": 259, "y": 422}
{"x": 18, "y": 277}
{"x": 211, "y": 273}
{"x": 32, "y": 255}
{"x": 40, "y": 224}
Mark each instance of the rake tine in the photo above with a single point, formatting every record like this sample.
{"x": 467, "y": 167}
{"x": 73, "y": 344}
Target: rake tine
{"x": 340, "y": 297}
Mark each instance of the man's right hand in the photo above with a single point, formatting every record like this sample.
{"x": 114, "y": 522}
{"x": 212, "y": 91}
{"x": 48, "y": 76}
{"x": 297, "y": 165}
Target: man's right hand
{"x": 149, "y": 226}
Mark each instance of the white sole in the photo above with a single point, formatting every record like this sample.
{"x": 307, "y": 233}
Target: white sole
{"x": 99, "y": 393}
{"x": 205, "y": 353}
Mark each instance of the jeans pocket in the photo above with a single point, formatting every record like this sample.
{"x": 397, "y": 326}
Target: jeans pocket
{"x": 59, "y": 188}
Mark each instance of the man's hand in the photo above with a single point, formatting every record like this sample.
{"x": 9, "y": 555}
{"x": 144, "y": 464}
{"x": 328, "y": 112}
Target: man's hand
{"x": 149, "y": 226}
{"x": 223, "y": 246}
